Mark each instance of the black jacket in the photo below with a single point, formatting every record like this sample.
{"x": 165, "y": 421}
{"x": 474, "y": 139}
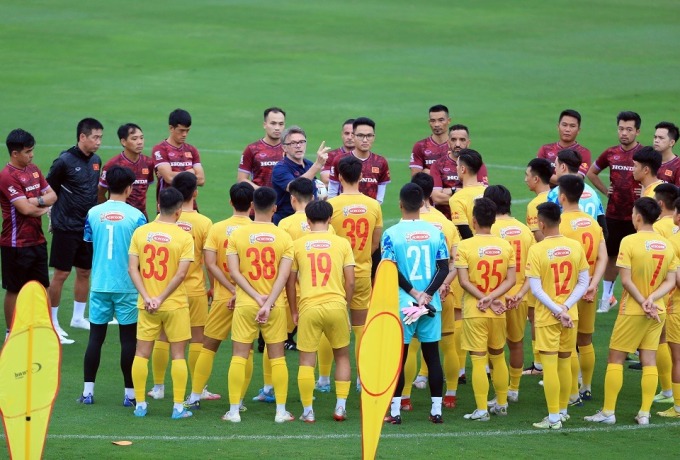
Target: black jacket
{"x": 74, "y": 177}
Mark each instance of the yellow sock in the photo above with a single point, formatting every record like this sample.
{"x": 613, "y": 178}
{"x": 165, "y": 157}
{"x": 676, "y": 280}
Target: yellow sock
{"x": 564, "y": 367}
{"x": 280, "y": 379}
{"x": 575, "y": 367}
{"x": 325, "y": 356}
{"x": 202, "y": 369}
{"x": 194, "y": 352}
{"x": 306, "y": 385}
{"x": 664, "y": 365}
{"x": 499, "y": 377}
{"x": 613, "y": 381}
{"x": 266, "y": 368}
{"x": 537, "y": 355}
{"x": 450, "y": 361}
{"x": 458, "y": 334}
{"x": 515, "y": 377}
{"x": 249, "y": 374}
{"x": 551, "y": 383}
{"x": 423, "y": 365}
{"x": 480, "y": 382}
{"x": 342, "y": 389}
{"x": 650, "y": 379}
{"x": 180, "y": 375}
{"x": 236, "y": 378}
{"x": 358, "y": 333}
{"x": 587, "y": 361}
{"x": 410, "y": 367}
{"x": 159, "y": 361}
{"x": 140, "y": 371}
{"x": 676, "y": 394}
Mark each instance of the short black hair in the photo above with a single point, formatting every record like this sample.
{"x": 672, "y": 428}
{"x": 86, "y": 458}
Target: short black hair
{"x": 241, "y": 196}
{"x": 571, "y": 159}
{"x": 439, "y": 108}
{"x": 571, "y": 186}
{"x": 425, "y": 182}
{"x": 363, "y": 121}
{"x": 666, "y": 193}
{"x": 541, "y": 168}
{"x": 484, "y": 211}
{"x": 458, "y": 127}
{"x": 18, "y": 139}
{"x": 472, "y": 159}
{"x": 179, "y": 117}
{"x": 118, "y": 178}
{"x": 549, "y": 214}
{"x": 86, "y": 126}
{"x": 264, "y": 198}
{"x": 125, "y": 130}
{"x": 677, "y": 205}
{"x": 273, "y": 110}
{"x": 349, "y": 168}
{"x": 671, "y": 127}
{"x": 500, "y": 196}
{"x": 411, "y": 197}
{"x": 649, "y": 157}
{"x": 318, "y": 211}
{"x": 186, "y": 183}
{"x": 349, "y": 121}
{"x": 627, "y": 115}
{"x": 570, "y": 113}
{"x": 169, "y": 200}
{"x": 302, "y": 189}
{"x": 648, "y": 208}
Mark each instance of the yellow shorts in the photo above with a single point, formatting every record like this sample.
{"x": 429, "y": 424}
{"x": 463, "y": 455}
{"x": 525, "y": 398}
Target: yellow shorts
{"x": 448, "y": 314}
{"x": 362, "y": 294}
{"x": 480, "y": 334}
{"x": 636, "y": 331}
{"x": 245, "y": 329}
{"x": 673, "y": 328}
{"x": 516, "y": 320}
{"x": 586, "y": 316}
{"x": 555, "y": 338}
{"x": 175, "y": 323}
{"x": 328, "y": 318}
{"x": 218, "y": 324}
{"x": 198, "y": 310}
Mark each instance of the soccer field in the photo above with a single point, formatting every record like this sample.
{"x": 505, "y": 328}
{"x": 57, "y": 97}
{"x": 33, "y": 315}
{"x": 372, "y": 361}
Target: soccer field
{"x": 504, "y": 69}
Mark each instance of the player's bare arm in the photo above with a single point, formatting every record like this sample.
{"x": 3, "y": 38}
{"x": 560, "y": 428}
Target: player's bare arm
{"x": 278, "y": 286}
{"x": 166, "y": 172}
{"x": 375, "y": 242}
{"x": 598, "y": 273}
{"x": 27, "y": 209}
{"x": 349, "y": 283}
{"x": 291, "y": 294}
{"x": 200, "y": 175}
{"x": 102, "y": 194}
{"x": 210, "y": 261}
{"x": 235, "y": 269}
{"x": 136, "y": 277}
{"x": 245, "y": 177}
{"x": 175, "y": 281}
{"x": 594, "y": 178}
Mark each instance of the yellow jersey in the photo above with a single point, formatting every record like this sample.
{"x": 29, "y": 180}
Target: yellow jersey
{"x": 487, "y": 259}
{"x": 581, "y": 227}
{"x": 557, "y": 262}
{"x": 462, "y": 202}
{"x": 649, "y": 257}
{"x": 440, "y": 221}
{"x": 649, "y": 190}
{"x": 532, "y": 211}
{"x": 520, "y": 238}
{"x": 665, "y": 226}
{"x": 217, "y": 240}
{"x": 355, "y": 217}
{"x": 674, "y": 302}
{"x": 320, "y": 259}
{"x": 161, "y": 246}
{"x": 260, "y": 247}
{"x": 296, "y": 225}
{"x": 198, "y": 226}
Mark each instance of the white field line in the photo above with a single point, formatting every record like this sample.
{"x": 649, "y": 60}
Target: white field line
{"x": 453, "y": 434}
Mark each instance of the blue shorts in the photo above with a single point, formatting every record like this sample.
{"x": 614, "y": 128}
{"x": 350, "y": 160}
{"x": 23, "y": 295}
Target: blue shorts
{"x": 103, "y": 305}
{"x": 426, "y": 329}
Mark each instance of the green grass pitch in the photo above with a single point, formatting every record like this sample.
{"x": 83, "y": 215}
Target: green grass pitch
{"x": 505, "y": 69}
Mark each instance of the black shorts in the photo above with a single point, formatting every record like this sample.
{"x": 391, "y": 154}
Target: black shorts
{"x": 21, "y": 265}
{"x": 618, "y": 229}
{"x": 70, "y": 250}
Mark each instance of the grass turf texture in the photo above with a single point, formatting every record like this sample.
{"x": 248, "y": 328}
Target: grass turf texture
{"x": 503, "y": 69}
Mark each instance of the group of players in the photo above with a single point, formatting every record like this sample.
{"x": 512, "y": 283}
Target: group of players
{"x": 289, "y": 262}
